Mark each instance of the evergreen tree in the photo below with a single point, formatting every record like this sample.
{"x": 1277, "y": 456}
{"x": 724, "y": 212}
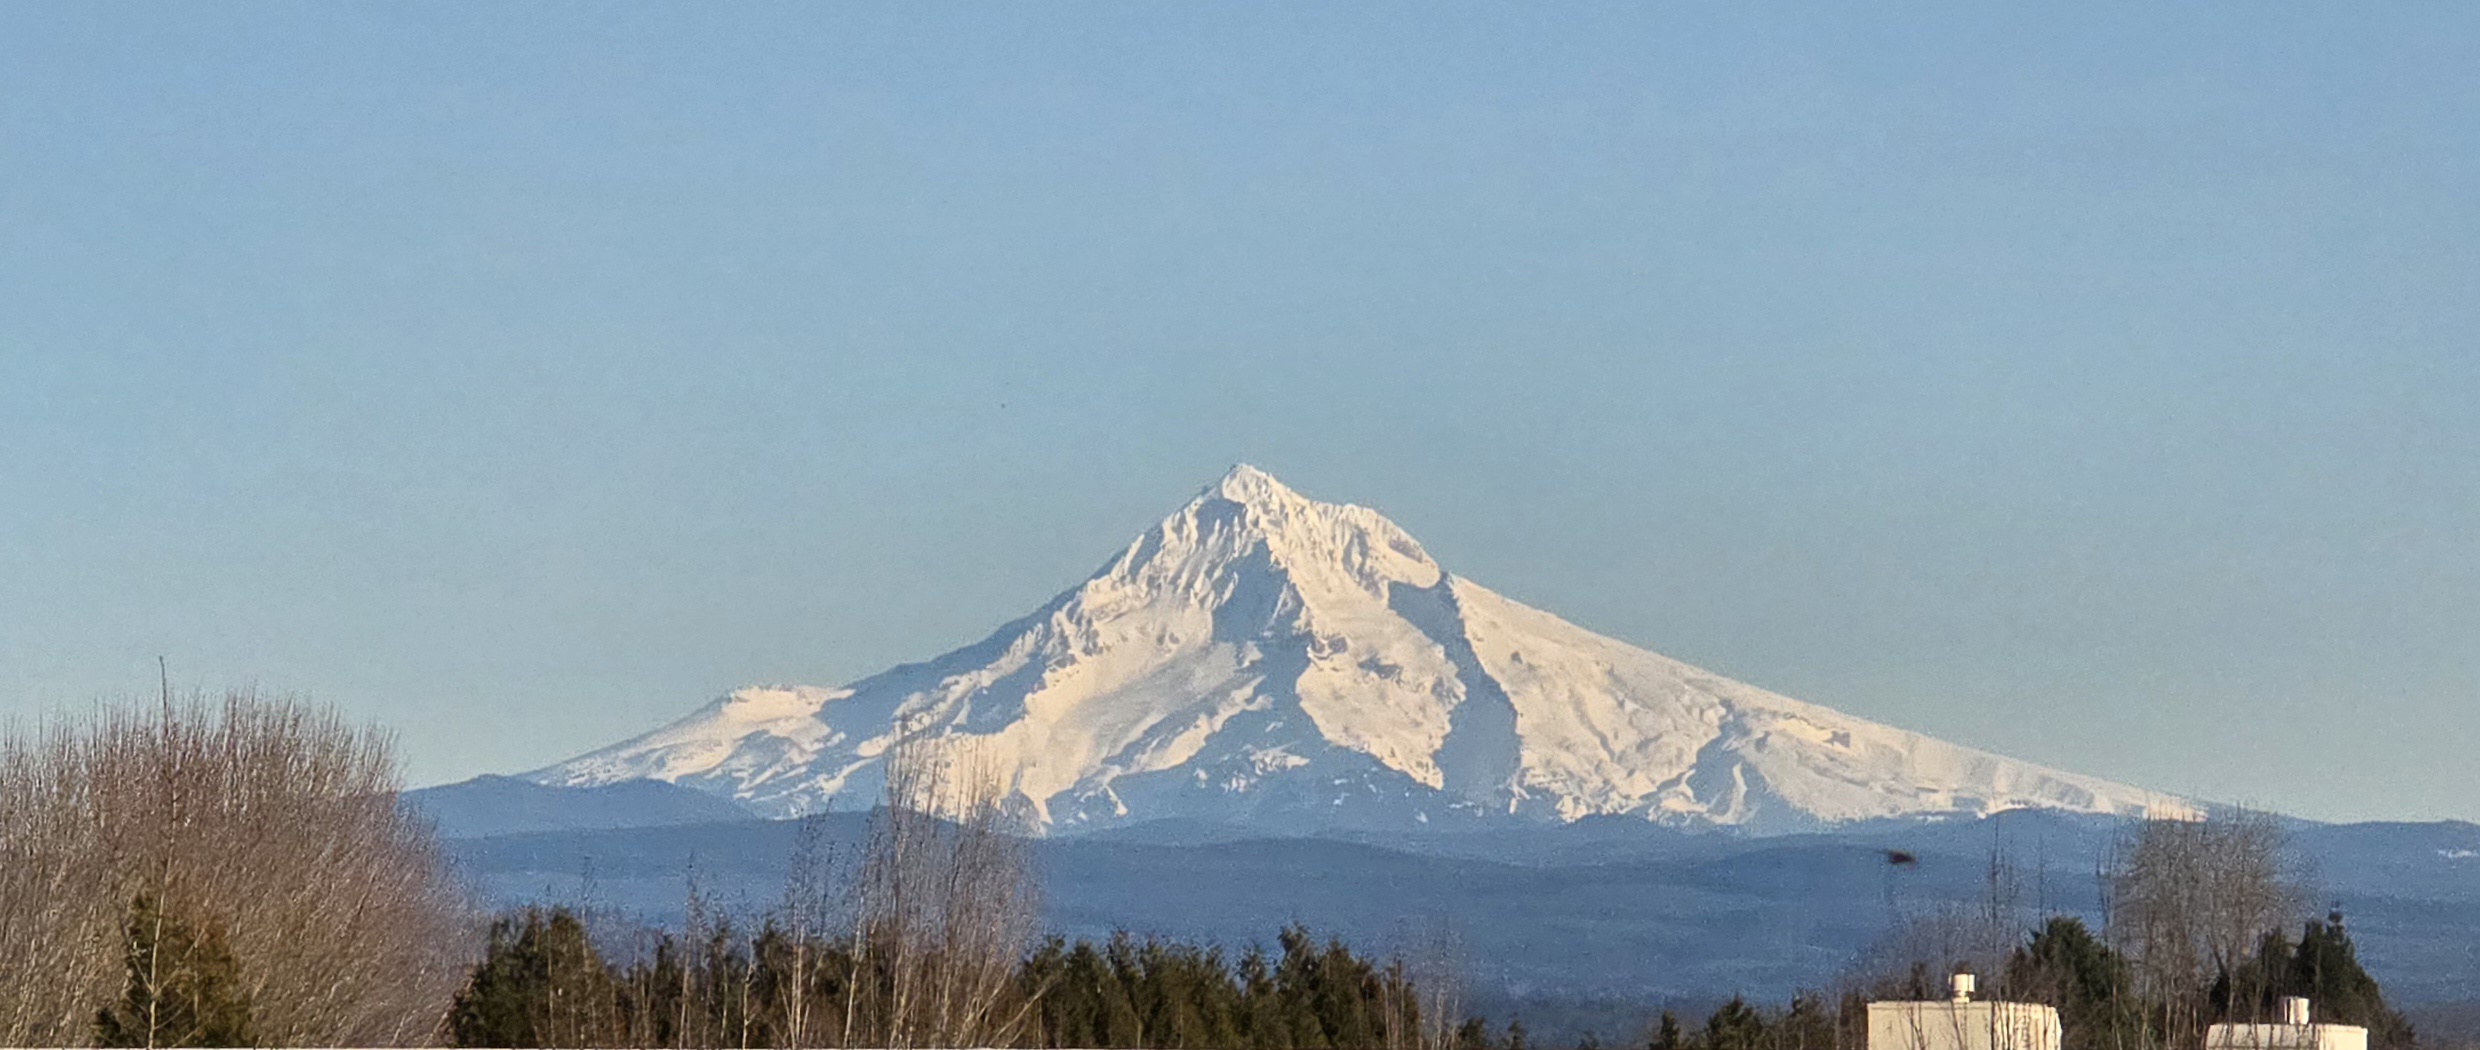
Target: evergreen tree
{"x": 1167, "y": 995}
{"x": 2090, "y": 984}
{"x": 2325, "y": 968}
{"x": 1043, "y": 981}
{"x": 1297, "y": 983}
{"x": 1666, "y": 1034}
{"x": 1123, "y": 980}
{"x": 1345, "y": 998}
{"x": 1808, "y": 1025}
{"x": 1735, "y": 1026}
{"x": 184, "y": 988}
{"x": 2248, "y": 991}
{"x": 540, "y": 984}
{"x": 655, "y": 997}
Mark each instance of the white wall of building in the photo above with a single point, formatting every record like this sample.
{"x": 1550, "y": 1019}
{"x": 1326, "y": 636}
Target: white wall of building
{"x": 2286, "y": 1037}
{"x": 1963, "y": 1026}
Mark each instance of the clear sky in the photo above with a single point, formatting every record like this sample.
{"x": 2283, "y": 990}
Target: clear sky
{"x": 2095, "y": 385}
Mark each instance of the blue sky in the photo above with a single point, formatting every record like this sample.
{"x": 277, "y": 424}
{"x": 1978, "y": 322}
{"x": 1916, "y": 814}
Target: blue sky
{"x": 2094, "y": 385}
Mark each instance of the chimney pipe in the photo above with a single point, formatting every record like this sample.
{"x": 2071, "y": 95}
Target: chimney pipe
{"x": 1964, "y": 984}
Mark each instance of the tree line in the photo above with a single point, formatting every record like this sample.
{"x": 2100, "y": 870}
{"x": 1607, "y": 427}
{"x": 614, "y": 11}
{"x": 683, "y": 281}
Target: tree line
{"x": 237, "y": 871}
{"x": 544, "y": 983}
{"x": 928, "y": 940}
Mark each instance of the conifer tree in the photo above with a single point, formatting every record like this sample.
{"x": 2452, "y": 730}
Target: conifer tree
{"x": 1666, "y": 1034}
{"x": 1807, "y": 1025}
{"x": 2090, "y": 984}
{"x": 1735, "y": 1026}
{"x": 1263, "y": 1023}
{"x": 1296, "y": 993}
{"x": 1123, "y": 1021}
{"x": 541, "y": 983}
{"x": 2325, "y": 968}
{"x": 183, "y": 989}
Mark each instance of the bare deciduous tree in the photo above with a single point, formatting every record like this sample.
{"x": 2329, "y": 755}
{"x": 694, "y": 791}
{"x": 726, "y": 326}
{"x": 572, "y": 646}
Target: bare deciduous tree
{"x": 1435, "y": 965}
{"x": 2188, "y": 900}
{"x": 271, "y": 819}
{"x": 1925, "y": 944}
{"x": 943, "y": 908}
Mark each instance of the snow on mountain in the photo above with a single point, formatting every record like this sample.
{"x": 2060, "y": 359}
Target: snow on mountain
{"x": 1263, "y": 658}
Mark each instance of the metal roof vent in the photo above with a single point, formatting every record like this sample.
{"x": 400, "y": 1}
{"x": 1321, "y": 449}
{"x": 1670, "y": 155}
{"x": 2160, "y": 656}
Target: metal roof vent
{"x": 1964, "y": 984}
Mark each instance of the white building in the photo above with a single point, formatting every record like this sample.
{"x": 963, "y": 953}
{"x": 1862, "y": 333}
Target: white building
{"x": 2296, "y": 1032}
{"x": 1962, "y": 1024}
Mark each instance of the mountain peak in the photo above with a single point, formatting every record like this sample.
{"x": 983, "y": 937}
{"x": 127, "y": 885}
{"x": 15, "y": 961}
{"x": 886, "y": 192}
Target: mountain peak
{"x": 1246, "y": 484}
{"x": 1264, "y": 657}
{"x": 1315, "y": 541}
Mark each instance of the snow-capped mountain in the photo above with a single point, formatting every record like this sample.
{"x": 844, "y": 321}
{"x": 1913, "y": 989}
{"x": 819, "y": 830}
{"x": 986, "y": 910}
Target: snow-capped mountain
{"x": 1264, "y": 658}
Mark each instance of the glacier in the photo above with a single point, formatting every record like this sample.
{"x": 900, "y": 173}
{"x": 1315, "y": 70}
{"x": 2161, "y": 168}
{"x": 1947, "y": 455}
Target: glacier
{"x": 1264, "y": 659}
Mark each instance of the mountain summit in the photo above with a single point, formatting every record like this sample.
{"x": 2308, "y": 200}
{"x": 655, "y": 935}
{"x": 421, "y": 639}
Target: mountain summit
{"x": 1263, "y": 658}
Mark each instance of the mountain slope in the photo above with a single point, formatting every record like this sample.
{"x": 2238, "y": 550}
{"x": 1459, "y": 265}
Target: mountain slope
{"x": 1263, "y": 658}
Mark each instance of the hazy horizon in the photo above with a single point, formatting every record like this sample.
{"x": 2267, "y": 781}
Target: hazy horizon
{"x": 2097, "y": 389}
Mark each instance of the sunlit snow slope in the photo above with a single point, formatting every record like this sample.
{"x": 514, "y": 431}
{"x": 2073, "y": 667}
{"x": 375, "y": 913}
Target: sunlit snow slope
{"x": 1267, "y": 659}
